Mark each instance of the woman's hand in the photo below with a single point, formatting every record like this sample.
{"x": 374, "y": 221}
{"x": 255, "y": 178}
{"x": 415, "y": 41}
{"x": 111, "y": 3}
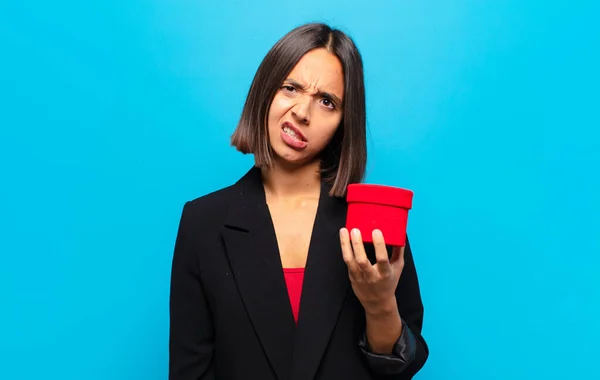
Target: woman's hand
{"x": 373, "y": 284}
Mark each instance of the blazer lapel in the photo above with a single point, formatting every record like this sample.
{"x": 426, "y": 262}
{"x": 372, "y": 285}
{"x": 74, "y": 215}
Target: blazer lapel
{"x": 251, "y": 246}
{"x": 325, "y": 287}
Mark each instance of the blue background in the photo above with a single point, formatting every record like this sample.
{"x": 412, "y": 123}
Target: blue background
{"x": 114, "y": 113}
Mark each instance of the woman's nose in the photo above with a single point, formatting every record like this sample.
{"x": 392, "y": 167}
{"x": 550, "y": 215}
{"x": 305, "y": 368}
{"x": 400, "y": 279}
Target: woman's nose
{"x": 301, "y": 110}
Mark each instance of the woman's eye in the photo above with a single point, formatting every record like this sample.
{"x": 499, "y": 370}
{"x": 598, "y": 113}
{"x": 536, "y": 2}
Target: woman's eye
{"x": 289, "y": 88}
{"x": 328, "y": 103}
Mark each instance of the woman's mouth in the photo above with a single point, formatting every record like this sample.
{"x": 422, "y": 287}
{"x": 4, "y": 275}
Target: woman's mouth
{"x": 292, "y": 136}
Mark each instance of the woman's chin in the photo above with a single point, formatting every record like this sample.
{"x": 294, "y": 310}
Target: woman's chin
{"x": 292, "y": 159}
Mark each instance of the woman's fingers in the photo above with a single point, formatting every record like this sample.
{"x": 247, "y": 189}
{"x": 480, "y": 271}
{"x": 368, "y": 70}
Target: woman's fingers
{"x": 397, "y": 260}
{"x": 381, "y": 254}
{"x": 355, "y": 256}
{"x": 360, "y": 256}
{"x": 348, "y": 253}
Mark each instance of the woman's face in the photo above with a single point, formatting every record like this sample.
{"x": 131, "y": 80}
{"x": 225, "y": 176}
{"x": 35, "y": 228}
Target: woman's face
{"x": 307, "y": 108}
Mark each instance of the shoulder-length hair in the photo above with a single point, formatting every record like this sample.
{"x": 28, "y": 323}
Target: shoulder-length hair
{"x": 344, "y": 160}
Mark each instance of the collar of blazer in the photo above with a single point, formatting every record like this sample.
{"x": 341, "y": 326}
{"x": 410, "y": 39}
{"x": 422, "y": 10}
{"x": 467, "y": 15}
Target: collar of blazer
{"x": 253, "y": 254}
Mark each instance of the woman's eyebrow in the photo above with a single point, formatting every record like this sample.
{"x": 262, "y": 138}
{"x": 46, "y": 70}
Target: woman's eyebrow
{"x": 326, "y": 94}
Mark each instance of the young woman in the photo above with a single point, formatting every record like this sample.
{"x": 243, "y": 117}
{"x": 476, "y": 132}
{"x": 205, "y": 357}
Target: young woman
{"x": 266, "y": 283}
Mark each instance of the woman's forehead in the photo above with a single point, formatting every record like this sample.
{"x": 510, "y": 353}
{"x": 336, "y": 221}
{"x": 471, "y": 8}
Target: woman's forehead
{"x": 319, "y": 70}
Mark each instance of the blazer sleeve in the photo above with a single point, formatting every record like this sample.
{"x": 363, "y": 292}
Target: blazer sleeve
{"x": 410, "y": 351}
{"x": 191, "y": 332}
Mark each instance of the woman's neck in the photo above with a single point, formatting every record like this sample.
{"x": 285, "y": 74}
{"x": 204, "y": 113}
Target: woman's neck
{"x": 301, "y": 181}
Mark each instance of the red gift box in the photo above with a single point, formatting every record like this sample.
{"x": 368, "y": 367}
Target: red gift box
{"x": 379, "y": 207}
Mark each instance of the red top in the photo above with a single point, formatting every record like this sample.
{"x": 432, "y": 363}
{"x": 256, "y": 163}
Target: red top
{"x": 294, "y": 277}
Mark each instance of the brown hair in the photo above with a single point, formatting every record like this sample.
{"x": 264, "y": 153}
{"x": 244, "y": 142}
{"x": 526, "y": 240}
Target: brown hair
{"x": 344, "y": 160}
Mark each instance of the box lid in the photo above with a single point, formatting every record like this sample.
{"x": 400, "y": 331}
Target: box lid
{"x": 379, "y": 194}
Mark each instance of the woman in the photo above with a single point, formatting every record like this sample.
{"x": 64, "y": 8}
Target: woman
{"x": 266, "y": 283}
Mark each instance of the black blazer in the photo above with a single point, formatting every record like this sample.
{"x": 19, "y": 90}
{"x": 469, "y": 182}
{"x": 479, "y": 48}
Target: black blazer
{"x": 230, "y": 315}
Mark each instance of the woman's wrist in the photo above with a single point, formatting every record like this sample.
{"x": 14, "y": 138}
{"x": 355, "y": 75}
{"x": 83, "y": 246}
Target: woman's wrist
{"x": 383, "y": 309}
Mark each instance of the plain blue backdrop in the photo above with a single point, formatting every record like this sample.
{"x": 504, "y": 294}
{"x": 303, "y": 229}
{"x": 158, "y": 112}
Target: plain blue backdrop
{"x": 114, "y": 113}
